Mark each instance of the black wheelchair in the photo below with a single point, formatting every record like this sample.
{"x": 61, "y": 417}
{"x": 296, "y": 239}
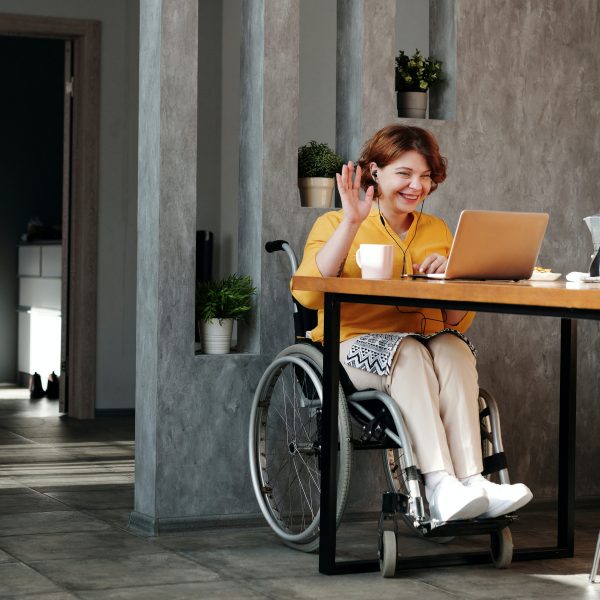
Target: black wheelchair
{"x": 285, "y": 452}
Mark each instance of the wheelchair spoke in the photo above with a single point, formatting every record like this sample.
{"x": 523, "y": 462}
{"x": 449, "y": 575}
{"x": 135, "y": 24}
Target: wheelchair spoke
{"x": 287, "y": 430}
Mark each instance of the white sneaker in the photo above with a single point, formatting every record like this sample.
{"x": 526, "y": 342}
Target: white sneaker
{"x": 450, "y": 500}
{"x": 503, "y": 498}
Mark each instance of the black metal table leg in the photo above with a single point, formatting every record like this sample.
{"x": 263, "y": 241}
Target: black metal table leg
{"x": 331, "y": 344}
{"x": 566, "y": 435}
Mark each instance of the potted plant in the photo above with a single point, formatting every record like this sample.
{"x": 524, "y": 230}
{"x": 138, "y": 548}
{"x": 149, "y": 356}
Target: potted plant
{"x": 414, "y": 76}
{"x": 317, "y": 166}
{"x": 218, "y": 305}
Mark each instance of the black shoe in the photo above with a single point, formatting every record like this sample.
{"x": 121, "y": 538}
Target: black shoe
{"x": 36, "y": 390}
{"x": 52, "y": 389}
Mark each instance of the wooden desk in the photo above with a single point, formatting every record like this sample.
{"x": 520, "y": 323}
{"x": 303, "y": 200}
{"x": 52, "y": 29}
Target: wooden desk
{"x": 567, "y": 301}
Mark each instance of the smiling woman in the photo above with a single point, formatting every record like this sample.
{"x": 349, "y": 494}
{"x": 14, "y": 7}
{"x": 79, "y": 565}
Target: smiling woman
{"x": 420, "y": 357}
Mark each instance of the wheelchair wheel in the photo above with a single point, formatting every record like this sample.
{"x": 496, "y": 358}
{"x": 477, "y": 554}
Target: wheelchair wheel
{"x": 501, "y": 548}
{"x": 285, "y": 446}
{"x": 388, "y": 552}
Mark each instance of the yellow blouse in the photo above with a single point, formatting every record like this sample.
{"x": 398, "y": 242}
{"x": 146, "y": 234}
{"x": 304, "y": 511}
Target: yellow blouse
{"x": 427, "y": 235}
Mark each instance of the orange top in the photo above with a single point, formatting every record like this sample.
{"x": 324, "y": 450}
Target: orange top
{"x": 431, "y": 235}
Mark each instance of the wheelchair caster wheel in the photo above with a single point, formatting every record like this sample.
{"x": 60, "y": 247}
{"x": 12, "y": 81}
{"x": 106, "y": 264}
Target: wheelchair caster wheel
{"x": 501, "y": 548}
{"x": 387, "y": 554}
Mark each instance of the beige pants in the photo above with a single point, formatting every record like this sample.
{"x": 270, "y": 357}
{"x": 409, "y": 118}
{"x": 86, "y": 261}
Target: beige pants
{"x": 435, "y": 385}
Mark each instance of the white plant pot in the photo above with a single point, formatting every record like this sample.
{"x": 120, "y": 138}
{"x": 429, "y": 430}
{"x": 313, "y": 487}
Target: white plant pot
{"x": 216, "y": 336}
{"x": 316, "y": 191}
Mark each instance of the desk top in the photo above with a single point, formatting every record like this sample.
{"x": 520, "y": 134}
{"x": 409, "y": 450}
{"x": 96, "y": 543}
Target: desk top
{"x": 551, "y": 294}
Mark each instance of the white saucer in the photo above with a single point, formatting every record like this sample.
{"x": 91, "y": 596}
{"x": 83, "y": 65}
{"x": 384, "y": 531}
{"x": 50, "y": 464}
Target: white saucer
{"x": 539, "y": 276}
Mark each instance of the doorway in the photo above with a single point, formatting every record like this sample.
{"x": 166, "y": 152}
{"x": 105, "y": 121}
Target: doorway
{"x": 73, "y": 192}
{"x": 31, "y": 118}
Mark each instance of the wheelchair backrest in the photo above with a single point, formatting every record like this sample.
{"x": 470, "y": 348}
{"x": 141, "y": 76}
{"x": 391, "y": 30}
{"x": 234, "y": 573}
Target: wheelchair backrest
{"x": 305, "y": 319}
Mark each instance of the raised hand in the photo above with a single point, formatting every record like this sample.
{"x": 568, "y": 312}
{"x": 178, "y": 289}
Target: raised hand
{"x": 356, "y": 209}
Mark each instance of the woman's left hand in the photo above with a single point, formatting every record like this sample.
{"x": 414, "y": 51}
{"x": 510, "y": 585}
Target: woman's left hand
{"x": 434, "y": 263}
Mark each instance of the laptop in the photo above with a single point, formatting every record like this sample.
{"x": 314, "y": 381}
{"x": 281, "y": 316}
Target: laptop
{"x": 491, "y": 244}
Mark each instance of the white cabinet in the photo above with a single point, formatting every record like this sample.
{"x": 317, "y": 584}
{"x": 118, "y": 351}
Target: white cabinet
{"x": 51, "y": 261}
{"x": 30, "y": 261}
{"x": 39, "y": 317}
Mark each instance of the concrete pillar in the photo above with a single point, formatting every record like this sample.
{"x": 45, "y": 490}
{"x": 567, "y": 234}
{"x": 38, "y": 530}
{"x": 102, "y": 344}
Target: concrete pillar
{"x": 365, "y": 74}
{"x": 166, "y": 234}
{"x": 442, "y": 45}
{"x": 268, "y": 160}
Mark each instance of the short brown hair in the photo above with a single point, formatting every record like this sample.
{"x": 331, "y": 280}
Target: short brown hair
{"x": 389, "y": 143}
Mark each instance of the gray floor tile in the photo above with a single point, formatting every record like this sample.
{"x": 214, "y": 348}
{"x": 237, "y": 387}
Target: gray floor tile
{"x": 9, "y": 491}
{"x": 97, "y": 499}
{"x": 62, "y": 595}
{"x": 6, "y": 557}
{"x": 48, "y": 522}
{"x": 9, "y": 438}
{"x": 261, "y": 562}
{"x": 348, "y": 587}
{"x": 123, "y": 571}
{"x": 117, "y": 517}
{"x": 17, "y": 578}
{"x": 88, "y": 544}
{"x": 519, "y": 582}
{"x": 217, "y": 590}
{"x": 26, "y": 503}
{"x": 209, "y": 539}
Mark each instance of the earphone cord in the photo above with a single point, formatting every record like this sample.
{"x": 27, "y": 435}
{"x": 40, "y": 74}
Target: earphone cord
{"x": 394, "y": 239}
{"x": 424, "y": 319}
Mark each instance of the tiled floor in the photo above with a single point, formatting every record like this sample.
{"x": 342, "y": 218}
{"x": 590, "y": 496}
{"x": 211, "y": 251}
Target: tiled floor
{"x": 66, "y": 490}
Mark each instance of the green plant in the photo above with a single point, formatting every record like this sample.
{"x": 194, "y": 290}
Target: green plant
{"x": 318, "y": 160}
{"x": 228, "y": 298}
{"x": 416, "y": 73}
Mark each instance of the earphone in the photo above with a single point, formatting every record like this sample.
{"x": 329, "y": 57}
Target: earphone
{"x": 393, "y": 238}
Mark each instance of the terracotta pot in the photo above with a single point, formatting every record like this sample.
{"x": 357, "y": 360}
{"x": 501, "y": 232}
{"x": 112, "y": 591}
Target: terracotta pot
{"x": 216, "y": 336}
{"x": 316, "y": 191}
{"x": 412, "y": 104}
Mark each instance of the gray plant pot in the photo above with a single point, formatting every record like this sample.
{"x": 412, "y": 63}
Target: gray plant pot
{"x": 412, "y": 104}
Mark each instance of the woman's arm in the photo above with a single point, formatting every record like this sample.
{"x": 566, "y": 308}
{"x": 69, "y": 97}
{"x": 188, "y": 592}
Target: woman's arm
{"x": 332, "y": 256}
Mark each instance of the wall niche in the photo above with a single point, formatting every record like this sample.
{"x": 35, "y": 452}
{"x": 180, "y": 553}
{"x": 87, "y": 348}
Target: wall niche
{"x": 431, "y": 28}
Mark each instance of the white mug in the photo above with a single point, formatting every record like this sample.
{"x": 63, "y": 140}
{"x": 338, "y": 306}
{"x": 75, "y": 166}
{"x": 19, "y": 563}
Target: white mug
{"x": 376, "y": 261}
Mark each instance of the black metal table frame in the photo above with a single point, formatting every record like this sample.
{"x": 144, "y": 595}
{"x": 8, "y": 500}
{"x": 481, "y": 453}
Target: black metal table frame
{"x": 566, "y": 445}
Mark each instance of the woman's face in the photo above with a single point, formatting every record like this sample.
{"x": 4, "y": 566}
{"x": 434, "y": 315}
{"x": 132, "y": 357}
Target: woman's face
{"x": 404, "y": 183}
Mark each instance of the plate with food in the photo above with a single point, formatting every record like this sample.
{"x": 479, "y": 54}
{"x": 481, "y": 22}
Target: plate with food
{"x": 543, "y": 274}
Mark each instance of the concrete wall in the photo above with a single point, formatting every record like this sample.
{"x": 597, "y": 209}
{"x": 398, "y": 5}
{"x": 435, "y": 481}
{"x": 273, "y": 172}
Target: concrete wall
{"x": 117, "y": 186}
{"x": 524, "y": 138}
{"x": 412, "y": 26}
{"x": 524, "y": 143}
{"x": 316, "y": 102}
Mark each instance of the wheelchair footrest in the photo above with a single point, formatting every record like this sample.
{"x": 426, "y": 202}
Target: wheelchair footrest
{"x": 465, "y": 527}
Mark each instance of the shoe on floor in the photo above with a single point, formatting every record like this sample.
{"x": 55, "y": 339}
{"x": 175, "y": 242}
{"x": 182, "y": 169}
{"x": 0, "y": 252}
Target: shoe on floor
{"x": 450, "y": 500}
{"x": 52, "y": 388}
{"x": 503, "y": 498}
{"x": 36, "y": 391}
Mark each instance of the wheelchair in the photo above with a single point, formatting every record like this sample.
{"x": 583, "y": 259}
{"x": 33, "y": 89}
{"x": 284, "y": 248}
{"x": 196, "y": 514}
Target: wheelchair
{"x": 285, "y": 452}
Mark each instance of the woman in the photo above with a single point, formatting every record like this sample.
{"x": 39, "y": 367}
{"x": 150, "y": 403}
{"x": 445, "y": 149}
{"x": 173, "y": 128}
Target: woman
{"x": 420, "y": 357}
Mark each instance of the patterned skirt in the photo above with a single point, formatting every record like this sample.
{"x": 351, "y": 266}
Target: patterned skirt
{"x": 374, "y": 352}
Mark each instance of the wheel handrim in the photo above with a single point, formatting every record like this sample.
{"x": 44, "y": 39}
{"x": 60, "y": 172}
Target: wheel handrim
{"x": 288, "y": 452}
